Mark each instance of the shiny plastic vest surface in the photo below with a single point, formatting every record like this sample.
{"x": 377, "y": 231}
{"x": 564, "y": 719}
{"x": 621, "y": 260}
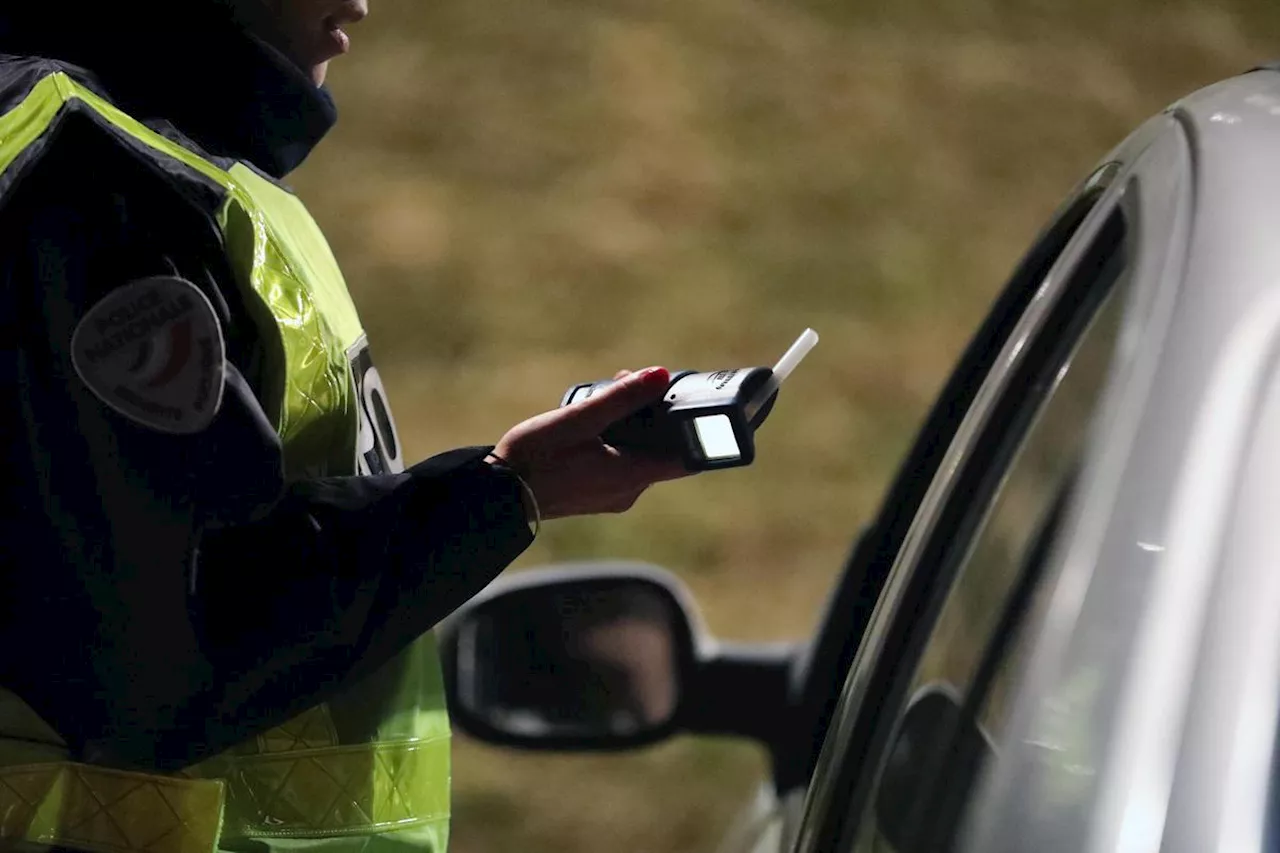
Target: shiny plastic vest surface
{"x": 381, "y": 779}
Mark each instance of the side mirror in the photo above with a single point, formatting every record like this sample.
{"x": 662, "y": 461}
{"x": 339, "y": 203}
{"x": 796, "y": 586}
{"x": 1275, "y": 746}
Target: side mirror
{"x": 572, "y": 658}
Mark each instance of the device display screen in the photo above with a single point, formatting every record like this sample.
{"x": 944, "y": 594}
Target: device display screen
{"x": 715, "y": 435}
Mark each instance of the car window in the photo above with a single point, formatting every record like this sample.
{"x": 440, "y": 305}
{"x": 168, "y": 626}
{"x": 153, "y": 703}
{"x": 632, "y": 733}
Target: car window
{"x": 1024, "y": 510}
{"x": 964, "y": 655}
{"x": 976, "y": 521}
{"x": 974, "y": 635}
{"x": 849, "y": 615}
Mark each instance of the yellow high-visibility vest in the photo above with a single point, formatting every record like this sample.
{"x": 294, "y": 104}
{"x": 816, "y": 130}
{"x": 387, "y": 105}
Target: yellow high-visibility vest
{"x": 297, "y": 782}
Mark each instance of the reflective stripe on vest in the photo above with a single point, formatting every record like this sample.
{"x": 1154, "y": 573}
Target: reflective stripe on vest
{"x": 297, "y": 781}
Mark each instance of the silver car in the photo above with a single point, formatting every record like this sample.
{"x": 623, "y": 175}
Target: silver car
{"x": 1061, "y": 631}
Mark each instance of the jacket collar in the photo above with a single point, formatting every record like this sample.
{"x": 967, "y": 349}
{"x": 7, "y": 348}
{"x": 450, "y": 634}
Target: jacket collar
{"x": 198, "y": 69}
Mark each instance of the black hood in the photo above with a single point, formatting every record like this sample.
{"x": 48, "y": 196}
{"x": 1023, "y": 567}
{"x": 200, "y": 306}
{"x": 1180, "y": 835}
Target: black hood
{"x": 192, "y": 63}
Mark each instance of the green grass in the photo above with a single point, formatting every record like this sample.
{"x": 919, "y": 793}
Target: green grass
{"x": 529, "y": 195}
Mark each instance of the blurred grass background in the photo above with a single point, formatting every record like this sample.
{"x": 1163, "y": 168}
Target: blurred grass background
{"x": 525, "y": 195}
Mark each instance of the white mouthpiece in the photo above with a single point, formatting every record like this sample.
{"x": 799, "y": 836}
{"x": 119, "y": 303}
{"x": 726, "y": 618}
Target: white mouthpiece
{"x": 808, "y": 340}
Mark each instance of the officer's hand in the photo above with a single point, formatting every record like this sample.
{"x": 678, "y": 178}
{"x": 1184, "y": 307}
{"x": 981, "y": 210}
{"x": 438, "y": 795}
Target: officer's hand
{"x": 570, "y": 470}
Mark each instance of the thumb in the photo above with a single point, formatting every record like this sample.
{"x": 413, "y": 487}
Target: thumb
{"x": 587, "y": 419}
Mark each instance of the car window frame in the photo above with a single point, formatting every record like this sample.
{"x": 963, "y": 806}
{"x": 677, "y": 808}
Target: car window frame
{"x": 999, "y": 813}
{"x": 820, "y": 821}
{"x": 818, "y": 681}
{"x": 975, "y": 489}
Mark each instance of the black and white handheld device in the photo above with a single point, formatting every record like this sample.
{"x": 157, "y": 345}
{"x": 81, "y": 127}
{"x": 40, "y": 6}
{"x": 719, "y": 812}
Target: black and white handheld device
{"x": 708, "y": 419}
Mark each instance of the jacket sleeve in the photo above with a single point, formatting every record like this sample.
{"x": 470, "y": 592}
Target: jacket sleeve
{"x": 164, "y": 596}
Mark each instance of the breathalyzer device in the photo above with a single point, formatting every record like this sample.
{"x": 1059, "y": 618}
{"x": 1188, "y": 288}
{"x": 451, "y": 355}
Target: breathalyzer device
{"x": 707, "y": 419}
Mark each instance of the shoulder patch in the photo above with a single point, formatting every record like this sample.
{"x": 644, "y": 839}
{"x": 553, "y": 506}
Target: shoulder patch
{"x": 153, "y": 350}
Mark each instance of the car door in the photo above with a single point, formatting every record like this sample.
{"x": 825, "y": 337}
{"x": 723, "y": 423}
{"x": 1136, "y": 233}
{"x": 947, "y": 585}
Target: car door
{"x": 769, "y": 821}
{"x": 923, "y": 706}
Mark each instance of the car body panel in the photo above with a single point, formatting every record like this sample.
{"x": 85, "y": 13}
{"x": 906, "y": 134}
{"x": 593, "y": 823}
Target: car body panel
{"x": 1231, "y": 723}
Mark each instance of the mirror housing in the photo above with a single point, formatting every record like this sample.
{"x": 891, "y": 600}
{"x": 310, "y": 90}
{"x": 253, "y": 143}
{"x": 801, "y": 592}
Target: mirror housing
{"x": 608, "y": 656}
{"x": 572, "y": 658}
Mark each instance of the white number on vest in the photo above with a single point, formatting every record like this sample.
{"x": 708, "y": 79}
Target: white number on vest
{"x": 377, "y": 443}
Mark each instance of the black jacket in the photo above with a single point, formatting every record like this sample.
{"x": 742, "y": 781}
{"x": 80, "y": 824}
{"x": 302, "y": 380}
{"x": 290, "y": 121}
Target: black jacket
{"x": 163, "y": 597}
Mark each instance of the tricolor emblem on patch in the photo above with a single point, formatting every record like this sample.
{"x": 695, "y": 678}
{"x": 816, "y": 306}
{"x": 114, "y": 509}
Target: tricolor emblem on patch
{"x": 153, "y": 351}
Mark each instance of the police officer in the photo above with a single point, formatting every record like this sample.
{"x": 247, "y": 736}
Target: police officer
{"x": 217, "y": 576}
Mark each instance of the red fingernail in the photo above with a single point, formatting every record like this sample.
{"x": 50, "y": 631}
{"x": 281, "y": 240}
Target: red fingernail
{"x": 650, "y": 372}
